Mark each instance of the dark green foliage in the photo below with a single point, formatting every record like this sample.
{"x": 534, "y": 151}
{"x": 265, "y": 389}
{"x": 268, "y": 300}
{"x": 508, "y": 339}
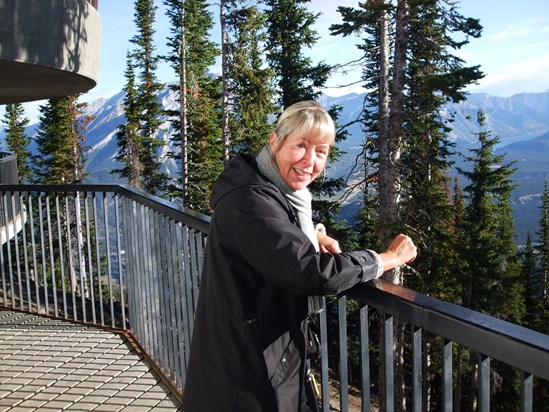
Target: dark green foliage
{"x": 60, "y": 142}
{"x": 492, "y": 277}
{"x": 138, "y": 138}
{"x": 250, "y": 91}
{"x": 16, "y": 139}
{"x": 289, "y": 28}
{"x": 128, "y": 134}
{"x": 543, "y": 254}
{"x": 192, "y": 22}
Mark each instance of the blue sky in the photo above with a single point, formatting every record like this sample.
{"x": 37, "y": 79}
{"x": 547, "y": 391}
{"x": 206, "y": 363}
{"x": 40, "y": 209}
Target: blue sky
{"x": 513, "y": 51}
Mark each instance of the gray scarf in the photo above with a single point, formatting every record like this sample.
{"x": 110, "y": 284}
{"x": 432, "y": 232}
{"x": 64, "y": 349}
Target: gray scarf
{"x": 300, "y": 200}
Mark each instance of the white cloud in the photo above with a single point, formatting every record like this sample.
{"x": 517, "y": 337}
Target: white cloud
{"x": 512, "y": 33}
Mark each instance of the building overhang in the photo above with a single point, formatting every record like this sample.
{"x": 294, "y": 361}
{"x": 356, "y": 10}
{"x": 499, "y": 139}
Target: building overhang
{"x": 48, "y": 49}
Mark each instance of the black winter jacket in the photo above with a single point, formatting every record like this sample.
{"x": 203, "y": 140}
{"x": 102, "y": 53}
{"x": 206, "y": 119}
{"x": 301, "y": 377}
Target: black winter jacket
{"x": 248, "y": 347}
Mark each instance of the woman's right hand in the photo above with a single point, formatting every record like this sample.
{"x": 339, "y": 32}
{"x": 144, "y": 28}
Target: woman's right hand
{"x": 401, "y": 250}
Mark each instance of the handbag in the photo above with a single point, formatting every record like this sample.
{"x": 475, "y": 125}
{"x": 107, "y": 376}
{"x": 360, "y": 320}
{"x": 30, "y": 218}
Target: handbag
{"x": 313, "y": 339}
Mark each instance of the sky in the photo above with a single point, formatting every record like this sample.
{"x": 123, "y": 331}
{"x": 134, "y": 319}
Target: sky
{"x": 513, "y": 51}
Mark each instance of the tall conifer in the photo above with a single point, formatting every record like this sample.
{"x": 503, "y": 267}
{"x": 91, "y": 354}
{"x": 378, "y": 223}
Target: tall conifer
{"x": 543, "y": 254}
{"x": 200, "y": 101}
{"x": 290, "y": 33}
{"x": 250, "y": 95}
{"x": 60, "y": 142}
{"x": 148, "y": 109}
{"x": 128, "y": 140}
{"x": 492, "y": 280}
{"x": 17, "y": 140}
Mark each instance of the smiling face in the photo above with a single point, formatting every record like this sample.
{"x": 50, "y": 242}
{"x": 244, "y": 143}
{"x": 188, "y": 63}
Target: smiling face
{"x": 299, "y": 159}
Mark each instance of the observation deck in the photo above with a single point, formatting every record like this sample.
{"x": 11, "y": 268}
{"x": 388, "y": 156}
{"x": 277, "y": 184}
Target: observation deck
{"x": 108, "y": 267}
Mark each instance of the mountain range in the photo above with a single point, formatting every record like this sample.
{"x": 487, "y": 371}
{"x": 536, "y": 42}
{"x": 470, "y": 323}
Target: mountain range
{"x": 520, "y": 121}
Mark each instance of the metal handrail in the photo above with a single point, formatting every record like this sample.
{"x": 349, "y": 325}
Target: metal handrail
{"x": 113, "y": 256}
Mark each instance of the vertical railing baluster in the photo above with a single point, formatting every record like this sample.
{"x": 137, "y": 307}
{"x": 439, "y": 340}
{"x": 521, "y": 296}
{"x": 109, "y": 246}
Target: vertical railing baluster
{"x": 8, "y": 248}
{"x": 343, "y": 358}
{"x": 447, "y": 374}
{"x": 526, "y": 391}
{"x": 141, "y": 271}
{"x": 158, "y": 270}
{"x": 25, "y": 251}
{"x": 325, "y": 374}
{"x": 189, "y": 278}
{"x": 72, "y": 273}
{"x": 128, "y": 220}
{"x": 2, "y": 261}
{"x": 80, "y": 255}
{"x": 389, "y": 363}
{"x": 365, "y": 358}
{"x": 108, "y": 255}
{"x": 150, "y": 326}
{"x": 61, "y": 255}
{"x": 185, "y": 290}
{"x": 97, "y": 227}
{"x": 52, "y": 257}
{"x": 417, "y": 374}
{"x": 195, "y": 271}
{"x": 121, "y": 273}
{"x": 43, "y": 253}
{"x": 16, "y": 249}
{"x": 168, "y": 274}
{"x": 177, "y": 278}
{"x": 89, "y": 222}
{"x": 484, "y": 383}
{"x": 32, "y": 235}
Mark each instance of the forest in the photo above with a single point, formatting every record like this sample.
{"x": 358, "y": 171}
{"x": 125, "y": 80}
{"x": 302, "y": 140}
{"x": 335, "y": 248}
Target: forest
{"x": 463, "y": 226}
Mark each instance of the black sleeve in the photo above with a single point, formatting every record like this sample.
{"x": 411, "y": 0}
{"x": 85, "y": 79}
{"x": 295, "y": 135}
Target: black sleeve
{"x": 278, "y": 249}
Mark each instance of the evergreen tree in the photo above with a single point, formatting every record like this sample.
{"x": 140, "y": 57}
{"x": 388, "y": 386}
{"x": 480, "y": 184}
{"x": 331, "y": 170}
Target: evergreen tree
{"x": 543, "y": 255}
{"x": 492, "y": 277}
{"x": 532, "y": 287}
{"x": 200, "y": 102}
{"x": 289, "y": 28}
{"x": 16, "y": 139}
{"x": 60, "y": 142}
{"x": 128, "y": 133}
{"x": 144, "y": 106}
{"x": 249, "y": 81}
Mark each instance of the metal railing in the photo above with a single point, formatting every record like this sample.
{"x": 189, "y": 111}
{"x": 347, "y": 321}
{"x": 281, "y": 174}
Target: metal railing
{"x": 111, "y": 256}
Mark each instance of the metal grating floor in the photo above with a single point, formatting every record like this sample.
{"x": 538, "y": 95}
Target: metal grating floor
{"x": 55, "y": 365}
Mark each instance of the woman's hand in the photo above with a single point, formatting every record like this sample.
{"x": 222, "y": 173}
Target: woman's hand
{"x": 401, "y": 250}
{"x": 326, "y": 243}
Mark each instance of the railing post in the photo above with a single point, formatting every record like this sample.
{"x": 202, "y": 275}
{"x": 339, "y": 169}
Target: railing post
{"x": 389, "y": 363}
{"x": 417, "y": 375}
{"x": 447, "y": 374}
{"x": 365, "y": 358}
{"x": 343, "y": 361}
{"x": 526, "y": 390}
{"x": 484, "y": 383}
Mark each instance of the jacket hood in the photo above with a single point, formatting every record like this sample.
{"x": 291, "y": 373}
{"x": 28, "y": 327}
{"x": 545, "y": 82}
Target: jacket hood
{"x": 241, "y": 171}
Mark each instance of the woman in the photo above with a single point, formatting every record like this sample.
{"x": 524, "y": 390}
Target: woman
{"x": 263, "y": 259}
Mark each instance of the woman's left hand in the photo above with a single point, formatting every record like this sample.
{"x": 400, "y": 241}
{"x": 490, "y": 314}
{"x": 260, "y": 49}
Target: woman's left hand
{"x": 327, "y": 244}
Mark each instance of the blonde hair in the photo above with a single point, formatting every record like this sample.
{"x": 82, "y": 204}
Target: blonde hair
{"x": 305, "y": 118}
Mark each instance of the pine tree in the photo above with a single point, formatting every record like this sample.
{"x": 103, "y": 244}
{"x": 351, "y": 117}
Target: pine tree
{"x": 289, "y": 28}
{"x": 127, "y": 136}
{"x": 197, "y": 132}
{"x": 543, "y": 255}
{"x": 60, "y": 142}
{"x": 532, "y": 286}
{"x": 493, "y": 275}
{"x": 16, "y": 139}
{"x": 250, "y": 95}
{"x": 144, "y": 105}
